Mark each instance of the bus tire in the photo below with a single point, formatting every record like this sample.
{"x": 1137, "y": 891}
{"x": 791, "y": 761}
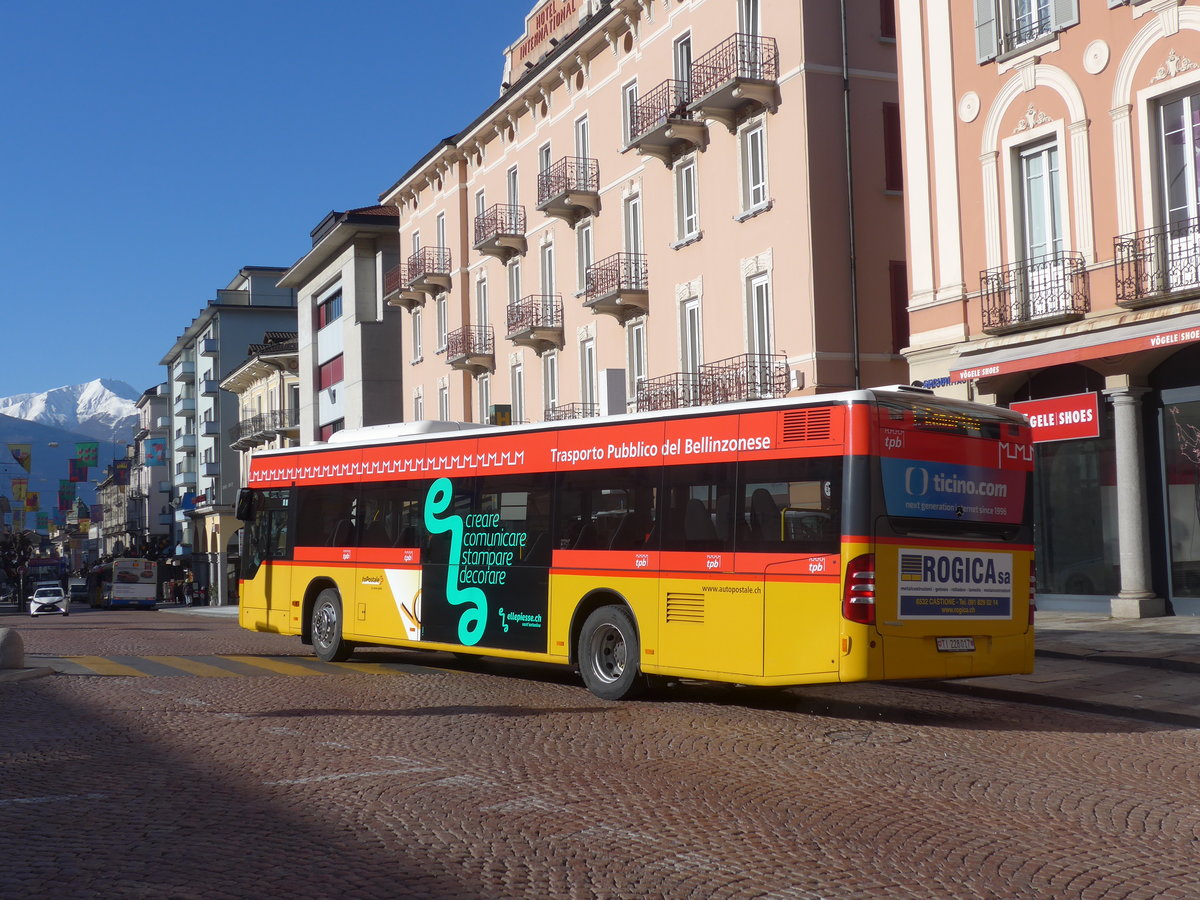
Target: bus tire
{"x": 609, "y": 651}
{"x": 327, "y": 642}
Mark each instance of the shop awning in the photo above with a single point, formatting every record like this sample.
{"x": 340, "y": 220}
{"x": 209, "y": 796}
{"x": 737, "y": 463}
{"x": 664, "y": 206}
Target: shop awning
{"x": 1079, "y": 347}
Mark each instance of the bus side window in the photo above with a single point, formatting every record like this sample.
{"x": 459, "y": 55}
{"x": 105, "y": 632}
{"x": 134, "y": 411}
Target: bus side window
{"x": 523, "y": 505}
{"x": 790, "y": 506}
{"x": 326, "y": 515}
{"x": 699, "y": 508}
{"x": 599, "y": 511}
{"x": 388, "y": 512}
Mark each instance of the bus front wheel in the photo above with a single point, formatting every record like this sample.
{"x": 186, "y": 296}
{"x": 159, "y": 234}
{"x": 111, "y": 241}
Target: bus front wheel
{"x": 608, "y": 655}
{"x": 327, "y": 642}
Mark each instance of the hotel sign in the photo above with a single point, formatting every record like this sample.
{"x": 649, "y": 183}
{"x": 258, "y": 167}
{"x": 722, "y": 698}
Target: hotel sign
{"x": 551, "y": 19}
{"x": 1062, "y": 418}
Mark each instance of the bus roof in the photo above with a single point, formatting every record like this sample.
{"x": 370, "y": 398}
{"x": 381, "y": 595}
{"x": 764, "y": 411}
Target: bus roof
{"x": 416, "y": 432}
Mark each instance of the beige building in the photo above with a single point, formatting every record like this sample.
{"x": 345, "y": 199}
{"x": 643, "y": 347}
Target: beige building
{"x": 655, "y": 213}
{"x": 1052, "y": 155}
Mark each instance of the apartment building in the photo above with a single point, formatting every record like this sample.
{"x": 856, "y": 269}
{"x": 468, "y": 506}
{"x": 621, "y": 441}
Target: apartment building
{"x": 205, "y": 474}
{"x": 268, "y": 390}
{"x": 1051, "y": 163}
{"x": 656, "y": 213}
{"x": 347, "y": 336}
{"x": 149, "y": 511}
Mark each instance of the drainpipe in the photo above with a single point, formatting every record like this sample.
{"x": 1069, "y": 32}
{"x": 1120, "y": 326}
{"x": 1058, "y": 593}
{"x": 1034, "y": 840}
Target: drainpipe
{"x": 856, "y": 355}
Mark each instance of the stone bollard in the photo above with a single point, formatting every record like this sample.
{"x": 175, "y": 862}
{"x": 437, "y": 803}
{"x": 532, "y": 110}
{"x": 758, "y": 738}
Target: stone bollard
{"x": 12, "y": 650}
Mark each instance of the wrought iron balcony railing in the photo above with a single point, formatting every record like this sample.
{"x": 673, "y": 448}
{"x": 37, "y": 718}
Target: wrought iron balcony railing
{"x": 668, "y": 100}
{"x": 1157, "y": 264}
{"x": 428, "y": 261}
{"x": 393, "y": 278}
{"x": 619, "y": 272}
{"x": 739, "y": 57}
{"x": 1036, "y": 291}
{"x": 572, "y": 411}
{"x": 1019, "y": 34}
{"x": 264, "y": 425}
{"x": 497, "y": 220}
{"x": 535, "y": 311}
{"x": 470, "y": 340}
{"x": 748, "y": 376}
{"x": 571, "y": 173}
{"x": 674, "y": 391}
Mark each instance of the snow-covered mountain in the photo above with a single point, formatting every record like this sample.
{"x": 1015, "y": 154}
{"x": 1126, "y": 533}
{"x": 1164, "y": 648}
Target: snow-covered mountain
{"x": 104, "y": 409}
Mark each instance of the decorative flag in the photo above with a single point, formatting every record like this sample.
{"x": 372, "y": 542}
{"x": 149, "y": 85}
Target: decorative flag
{"x": 32, "y": 501}
{"x": 66, "y": 494}
{"x": 156, "y": 451}
{"x": 88, "y": 451}
{"x": 22, "y": 453}
{"x": 121, "y": 472}
{"x": 43, "y": 521}
{"x": 96, "y": 512}
{"x": 20, "y": 486}
{"x": 77, "y": 470}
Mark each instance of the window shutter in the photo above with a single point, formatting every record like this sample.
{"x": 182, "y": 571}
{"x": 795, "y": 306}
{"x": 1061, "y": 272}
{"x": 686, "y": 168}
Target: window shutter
{"x": 1066, "y": 14}
{"x": 987, "y": 37}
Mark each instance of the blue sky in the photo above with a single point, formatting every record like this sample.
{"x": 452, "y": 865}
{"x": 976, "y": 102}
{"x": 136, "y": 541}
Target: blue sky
{"x": 150, "y": 150}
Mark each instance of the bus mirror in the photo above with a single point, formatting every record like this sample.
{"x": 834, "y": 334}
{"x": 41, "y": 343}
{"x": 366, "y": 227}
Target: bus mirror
{"x": 246, "y": 504}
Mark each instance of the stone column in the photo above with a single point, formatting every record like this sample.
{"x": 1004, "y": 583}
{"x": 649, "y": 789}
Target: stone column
{"x": 1136, "y": 599}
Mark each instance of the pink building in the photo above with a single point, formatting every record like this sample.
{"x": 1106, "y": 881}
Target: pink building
{"x": 1051, "y": 158}
{"x": 655, "y": 213}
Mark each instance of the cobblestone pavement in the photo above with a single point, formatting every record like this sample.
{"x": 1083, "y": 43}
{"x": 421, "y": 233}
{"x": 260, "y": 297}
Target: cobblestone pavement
{"x": 498, "y": 780}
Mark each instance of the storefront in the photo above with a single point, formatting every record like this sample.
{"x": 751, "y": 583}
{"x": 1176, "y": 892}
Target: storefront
{"x": 1117, "y": 483}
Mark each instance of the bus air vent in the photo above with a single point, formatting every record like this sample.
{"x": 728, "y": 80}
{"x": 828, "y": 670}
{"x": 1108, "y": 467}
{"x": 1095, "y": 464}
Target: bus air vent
{"x": 685, "y": 608}
{"x": 807, "y": 425}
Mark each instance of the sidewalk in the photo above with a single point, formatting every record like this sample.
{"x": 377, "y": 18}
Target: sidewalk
{"x": 1138, "y": 668}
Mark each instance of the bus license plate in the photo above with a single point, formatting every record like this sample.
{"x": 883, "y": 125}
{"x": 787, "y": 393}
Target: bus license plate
{"x": 955, "y": 644}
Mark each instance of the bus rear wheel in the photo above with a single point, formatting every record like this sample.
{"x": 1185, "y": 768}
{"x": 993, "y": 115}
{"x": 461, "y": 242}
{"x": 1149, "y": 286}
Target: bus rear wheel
{"x": 608, "y": 655}
{"x": 327, "y": 642}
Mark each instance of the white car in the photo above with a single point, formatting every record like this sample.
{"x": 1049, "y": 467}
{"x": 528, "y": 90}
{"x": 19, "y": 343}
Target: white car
{"x": 48, "y": 601}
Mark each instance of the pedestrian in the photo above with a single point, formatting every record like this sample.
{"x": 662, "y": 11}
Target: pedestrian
{"x": 189, "y": 595}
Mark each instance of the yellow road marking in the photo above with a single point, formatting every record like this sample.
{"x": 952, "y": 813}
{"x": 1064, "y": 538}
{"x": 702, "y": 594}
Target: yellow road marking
{"x": 102, "y": 666}
{"x": 192, "y": 666}
{"x": 274, "y": 665}
{"x": 367, "y": 668}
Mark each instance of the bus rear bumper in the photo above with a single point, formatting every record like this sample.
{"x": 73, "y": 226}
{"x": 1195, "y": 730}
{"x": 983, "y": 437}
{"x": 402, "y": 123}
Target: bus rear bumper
{"x": 920, "y": 657}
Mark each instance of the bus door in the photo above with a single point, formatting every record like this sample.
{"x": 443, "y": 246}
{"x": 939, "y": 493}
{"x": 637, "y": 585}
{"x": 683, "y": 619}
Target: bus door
{"x": 711, "y": 616}
{"x": 790, "y": 533}
{"x": 265, "y": 597}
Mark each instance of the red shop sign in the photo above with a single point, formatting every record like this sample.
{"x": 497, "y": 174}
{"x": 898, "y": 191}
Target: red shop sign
{"x": 1062, "y": 418}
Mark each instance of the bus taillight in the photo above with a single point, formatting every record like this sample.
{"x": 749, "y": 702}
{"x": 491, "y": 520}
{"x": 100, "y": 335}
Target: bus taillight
{"x": 1032, "y": 590}
{"x": 858, "y": 602}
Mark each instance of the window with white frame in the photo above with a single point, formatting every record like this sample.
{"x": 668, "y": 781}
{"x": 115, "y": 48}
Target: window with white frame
{"x": 629, "y": 95}
{"x": 682, "y": 56}
{"x": 444, "y": 402}
{"x": 691, "y": 352}
{"x": 484, "y": 383}
{"x": 418, "y": 406}
{"x": 758, "y": 315}
{"x": 547, "y": 273}
{"x": 517, "y": 385}
{"x": 753, "y": 147}
{"x": 440, "y": 229}
{"x": 480, "y": 203}
{"x": 1179, "y": 148}
{"x": 550, "y": 379}
{"x": 511, "y": 179}
{"x": 416, "y": 241}
{"x": 587, "y": 371}
{"x": 442, "y": 312}
{"x": 1008, "y": 26}
{"x": 633, "y": 224}
{"x": 1041, "y": 223}
{"x": 514, "y": 280}
{"x": 583, "y": 144}
{"x": 687, "y": 213}
{"x": 584, "y": 252}
{"x": 415, "y": 326}
{"x": 481, "y": 300}
{"x": 544, "y": 160}
{"x": 636, "y": 354}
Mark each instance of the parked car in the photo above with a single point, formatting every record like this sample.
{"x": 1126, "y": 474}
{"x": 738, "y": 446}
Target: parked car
{"x": 49, "y": 601}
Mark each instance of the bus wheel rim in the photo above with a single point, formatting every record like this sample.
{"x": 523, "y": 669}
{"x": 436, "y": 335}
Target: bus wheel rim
{"x": 608, "y": 653}
{"x": 323, "y": 624}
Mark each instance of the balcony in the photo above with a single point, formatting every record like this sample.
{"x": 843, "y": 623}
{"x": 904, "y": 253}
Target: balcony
{"x": 570, "y": 189}
{"x": 472, "y": 348}
{"x": 185, "y": 477}
{"x": 536, "y": 322}
{"x": 209, "y": 387}
{"x": 207, "y": 347}
{"x": 1158, "y": 265}
{"x": 396, "y": 291}
{"x": 185, "y": 406}
{"x": 263, "y": 427}
{"x": 210, "y": 469}
{"x": 209, "y": 428}
{"x": 429, "y": 270}
{"x": 1033, "y": 293}
{"x": 500, "y": 231}
{"x": 662, "y": 125}
{"x": 618, "y": 286}
{"x": 737, "y": 77}
{"x": 572, "y": 411}
{"x": 185, "y": 443}
{"x": 737, "y": 379}
{"x": 183, "y": 371}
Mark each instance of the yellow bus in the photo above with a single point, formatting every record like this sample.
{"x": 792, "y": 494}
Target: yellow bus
{"x": 873, "y": 534}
